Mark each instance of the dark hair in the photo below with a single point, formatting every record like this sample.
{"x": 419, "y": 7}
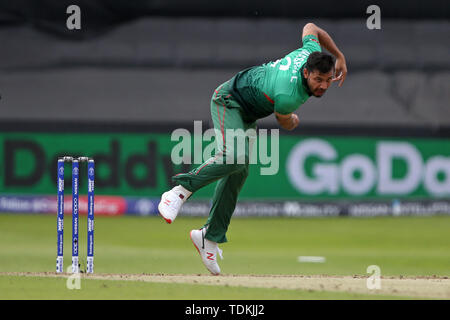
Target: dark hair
{"x": 320, "y": 61}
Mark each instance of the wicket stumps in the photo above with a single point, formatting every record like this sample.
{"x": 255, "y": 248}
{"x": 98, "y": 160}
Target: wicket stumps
{"x": 75, "y": 213}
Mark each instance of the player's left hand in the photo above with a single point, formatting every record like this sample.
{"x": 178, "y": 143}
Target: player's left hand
{"x": 340, "y": 70}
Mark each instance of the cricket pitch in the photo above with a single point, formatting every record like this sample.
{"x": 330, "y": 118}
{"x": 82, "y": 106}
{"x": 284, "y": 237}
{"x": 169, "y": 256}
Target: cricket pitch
{"x": 415, "y": 287}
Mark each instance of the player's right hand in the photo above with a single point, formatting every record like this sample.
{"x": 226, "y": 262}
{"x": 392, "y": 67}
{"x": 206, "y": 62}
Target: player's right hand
{"x": 340, "y": 70}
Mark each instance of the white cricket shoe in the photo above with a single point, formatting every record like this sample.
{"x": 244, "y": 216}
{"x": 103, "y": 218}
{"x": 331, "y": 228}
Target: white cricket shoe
{"x": 171, "y": 202}
{"x": 207, "y": 249}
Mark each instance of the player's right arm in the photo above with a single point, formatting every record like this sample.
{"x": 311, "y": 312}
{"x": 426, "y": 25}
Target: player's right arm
{"x": 327, "y": 42}
{"x": 287, "y": 121}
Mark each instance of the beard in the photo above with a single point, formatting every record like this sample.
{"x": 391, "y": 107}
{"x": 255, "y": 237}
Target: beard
{"x": 313, "y": 93}
{"x": 316, "y": 94}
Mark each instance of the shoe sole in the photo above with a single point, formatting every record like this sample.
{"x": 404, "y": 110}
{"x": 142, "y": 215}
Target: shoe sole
{"x": 169, "y": 221}
{"x": 198, "y": 250}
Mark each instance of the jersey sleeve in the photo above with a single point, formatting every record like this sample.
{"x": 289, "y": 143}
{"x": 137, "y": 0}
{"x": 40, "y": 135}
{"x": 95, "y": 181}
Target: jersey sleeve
{"x": 311, "y": 43}
{"x": 284, "y": 105}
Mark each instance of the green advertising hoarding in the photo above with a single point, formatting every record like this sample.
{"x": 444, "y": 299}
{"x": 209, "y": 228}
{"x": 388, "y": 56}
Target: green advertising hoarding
{"x": 307, "y": 167}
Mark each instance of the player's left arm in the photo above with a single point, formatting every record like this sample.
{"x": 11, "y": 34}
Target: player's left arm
{"x": 283, "y": 110}
{"x": 287, "y": 121}
{"x": 327, "y": 42}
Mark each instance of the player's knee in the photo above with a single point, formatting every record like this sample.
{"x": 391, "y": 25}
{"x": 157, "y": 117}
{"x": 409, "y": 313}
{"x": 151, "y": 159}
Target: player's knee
{"x": 237, "y": 167}
{"x": 244, "y": 171}
{"x": 233, "y": 157}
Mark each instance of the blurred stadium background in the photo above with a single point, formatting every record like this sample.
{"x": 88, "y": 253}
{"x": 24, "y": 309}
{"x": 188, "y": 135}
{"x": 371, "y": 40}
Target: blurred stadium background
{"x": 136, "y": 70}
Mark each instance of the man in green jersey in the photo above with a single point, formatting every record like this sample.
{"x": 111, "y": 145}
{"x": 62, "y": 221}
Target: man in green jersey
{"x": 278, "y": 87}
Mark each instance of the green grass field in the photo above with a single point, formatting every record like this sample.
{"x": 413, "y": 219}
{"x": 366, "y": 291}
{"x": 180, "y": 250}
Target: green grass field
{"x": 406, "y": 246}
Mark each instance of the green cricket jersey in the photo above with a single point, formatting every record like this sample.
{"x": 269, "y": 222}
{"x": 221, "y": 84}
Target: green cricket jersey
{"x": 275, "y": 86}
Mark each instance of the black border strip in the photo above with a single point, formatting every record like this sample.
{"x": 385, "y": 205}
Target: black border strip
{"x": 72, "y": 126}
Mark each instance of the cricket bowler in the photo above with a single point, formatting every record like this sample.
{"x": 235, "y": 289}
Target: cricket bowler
{"x": 278, "y": 87}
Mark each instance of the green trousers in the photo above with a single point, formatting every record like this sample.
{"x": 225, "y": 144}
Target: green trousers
{"x": 229, "y": 166}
